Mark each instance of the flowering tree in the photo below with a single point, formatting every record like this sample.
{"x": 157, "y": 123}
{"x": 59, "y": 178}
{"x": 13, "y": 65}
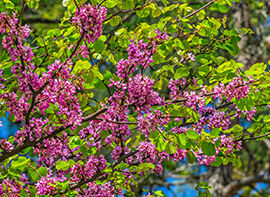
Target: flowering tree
{"x": 169, "y": 96}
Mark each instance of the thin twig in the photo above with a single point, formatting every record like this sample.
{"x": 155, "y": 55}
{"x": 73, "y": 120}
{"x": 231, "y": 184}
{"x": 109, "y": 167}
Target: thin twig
{"x": 254, "y": 138}
{"x": 119, "y": 122}
{"x": 28, "y": 164}
{"x": 200, "y": 9}
{"x": 22, "y": 9}
{"x": 101, "y": 3}
{"x": 125, "y": 11}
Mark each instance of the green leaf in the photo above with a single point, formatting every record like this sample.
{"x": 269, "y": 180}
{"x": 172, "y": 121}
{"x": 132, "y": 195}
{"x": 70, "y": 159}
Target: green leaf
{"x": 96, "y": 73}
{"x": 65, "y": 3}
{"x": 153, "y": 134}
{"x": 107, "y": 75}
{"x": 20, "y": 163}
{"x": 62, "y": 165}
{"x": 104, "y": 134}
{"x": 84, "y": 150}
{"x": 143, "y": 12}
{"x": 170, "y": 148}
{"x": 114, "y": 21}
{"x": 74, "y": 142}
{"x": 181, "y": 72}
{"x": 208, "y": 148}
{"x": 218, "y": 162}
{"x": 192, "y": 134}
{"x": 229, "y": 2}
{"x": 256, "y": 69}
{"x": 183, "y": 139}
{"x": 215, "y": 132}
{"x": 159, "y": 193}
{"x": 110, "y": 3}
{"x": 33, "y": 3}
{"x": 191, "y": 157}
{"x": 203, "y": 70}
{"x": 9, "y": 4}
{"x": 99, "y": 46}
{"x": 81, "y": 65}
{"x": 128, "y": 4}
{"x": 165, "y": 2}
{"x": 42, "y": 171}
{"x": 146, "y": 166}
{"x": 156, "y": 12}
{"x": 160, "y": 144}
{"x": 93, "y": 150}
{"x": 122, "y": 166}
{"x": 33, "y": 174}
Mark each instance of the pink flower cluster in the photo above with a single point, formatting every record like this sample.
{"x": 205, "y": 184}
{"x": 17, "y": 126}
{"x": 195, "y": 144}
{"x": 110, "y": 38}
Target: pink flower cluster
{"x": 116, "y": 113}
{"x": 248, "y": 113}
{"x": 151, "y": 121}
{"x": 118, "y": 151}
{"x": 193, "y": 100}
{"x": 61, "y": 91}
{"x": 16, "y": 35}
{"x": 52, "y": 149}
{"x": 2, "y": 86}
{"x": 237, "y": 88}
{"x": 45, "y": 186}
{"x": 190, "y": 56}
{"x": 17, "y": 106}
{"x": 13, "y": 188}
{"x": 177, "y": 88}
{"x": 148, "y": 153}
{"x": 34, "y": 130}
{"x": 179, "y": 155}
{"x": 89, "y": 19}
{"x": 104, "y": 190}
{"x": 227, "y": 146}
{"x": 140, "y": 53}
{"x": 211, "y": 118}
{"x": 6, "y": 145}
{"x": 141, "y": 93}
{"x": 93, "y": 165}
{"x": 204, "y": 159}
{"x": 91, "y": 133}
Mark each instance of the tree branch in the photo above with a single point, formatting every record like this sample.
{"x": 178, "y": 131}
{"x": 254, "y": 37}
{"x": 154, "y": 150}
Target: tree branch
{"x": 22, "y": 9}
{"x": 41, "y": 20}
{"x": 200, "y": 9}
{"x": 235, "y": 186}
{"x": 125, "y": 11}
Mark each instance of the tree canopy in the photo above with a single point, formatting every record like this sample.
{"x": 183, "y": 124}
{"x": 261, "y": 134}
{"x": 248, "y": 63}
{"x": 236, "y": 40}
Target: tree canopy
{"x": 108, "y": 92}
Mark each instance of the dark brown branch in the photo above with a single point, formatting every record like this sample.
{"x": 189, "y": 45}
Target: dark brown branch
{"x": 125, "y": 11}
{"x": 224, "y": 105}
{"x": 22, "y": 9}
{"x": 101, "y": 3}
{"x": 200, "y": 9}
{"x": 41, "y": 20}
{"x": 119, "y": 122}
{"x": 254, "y": 138}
